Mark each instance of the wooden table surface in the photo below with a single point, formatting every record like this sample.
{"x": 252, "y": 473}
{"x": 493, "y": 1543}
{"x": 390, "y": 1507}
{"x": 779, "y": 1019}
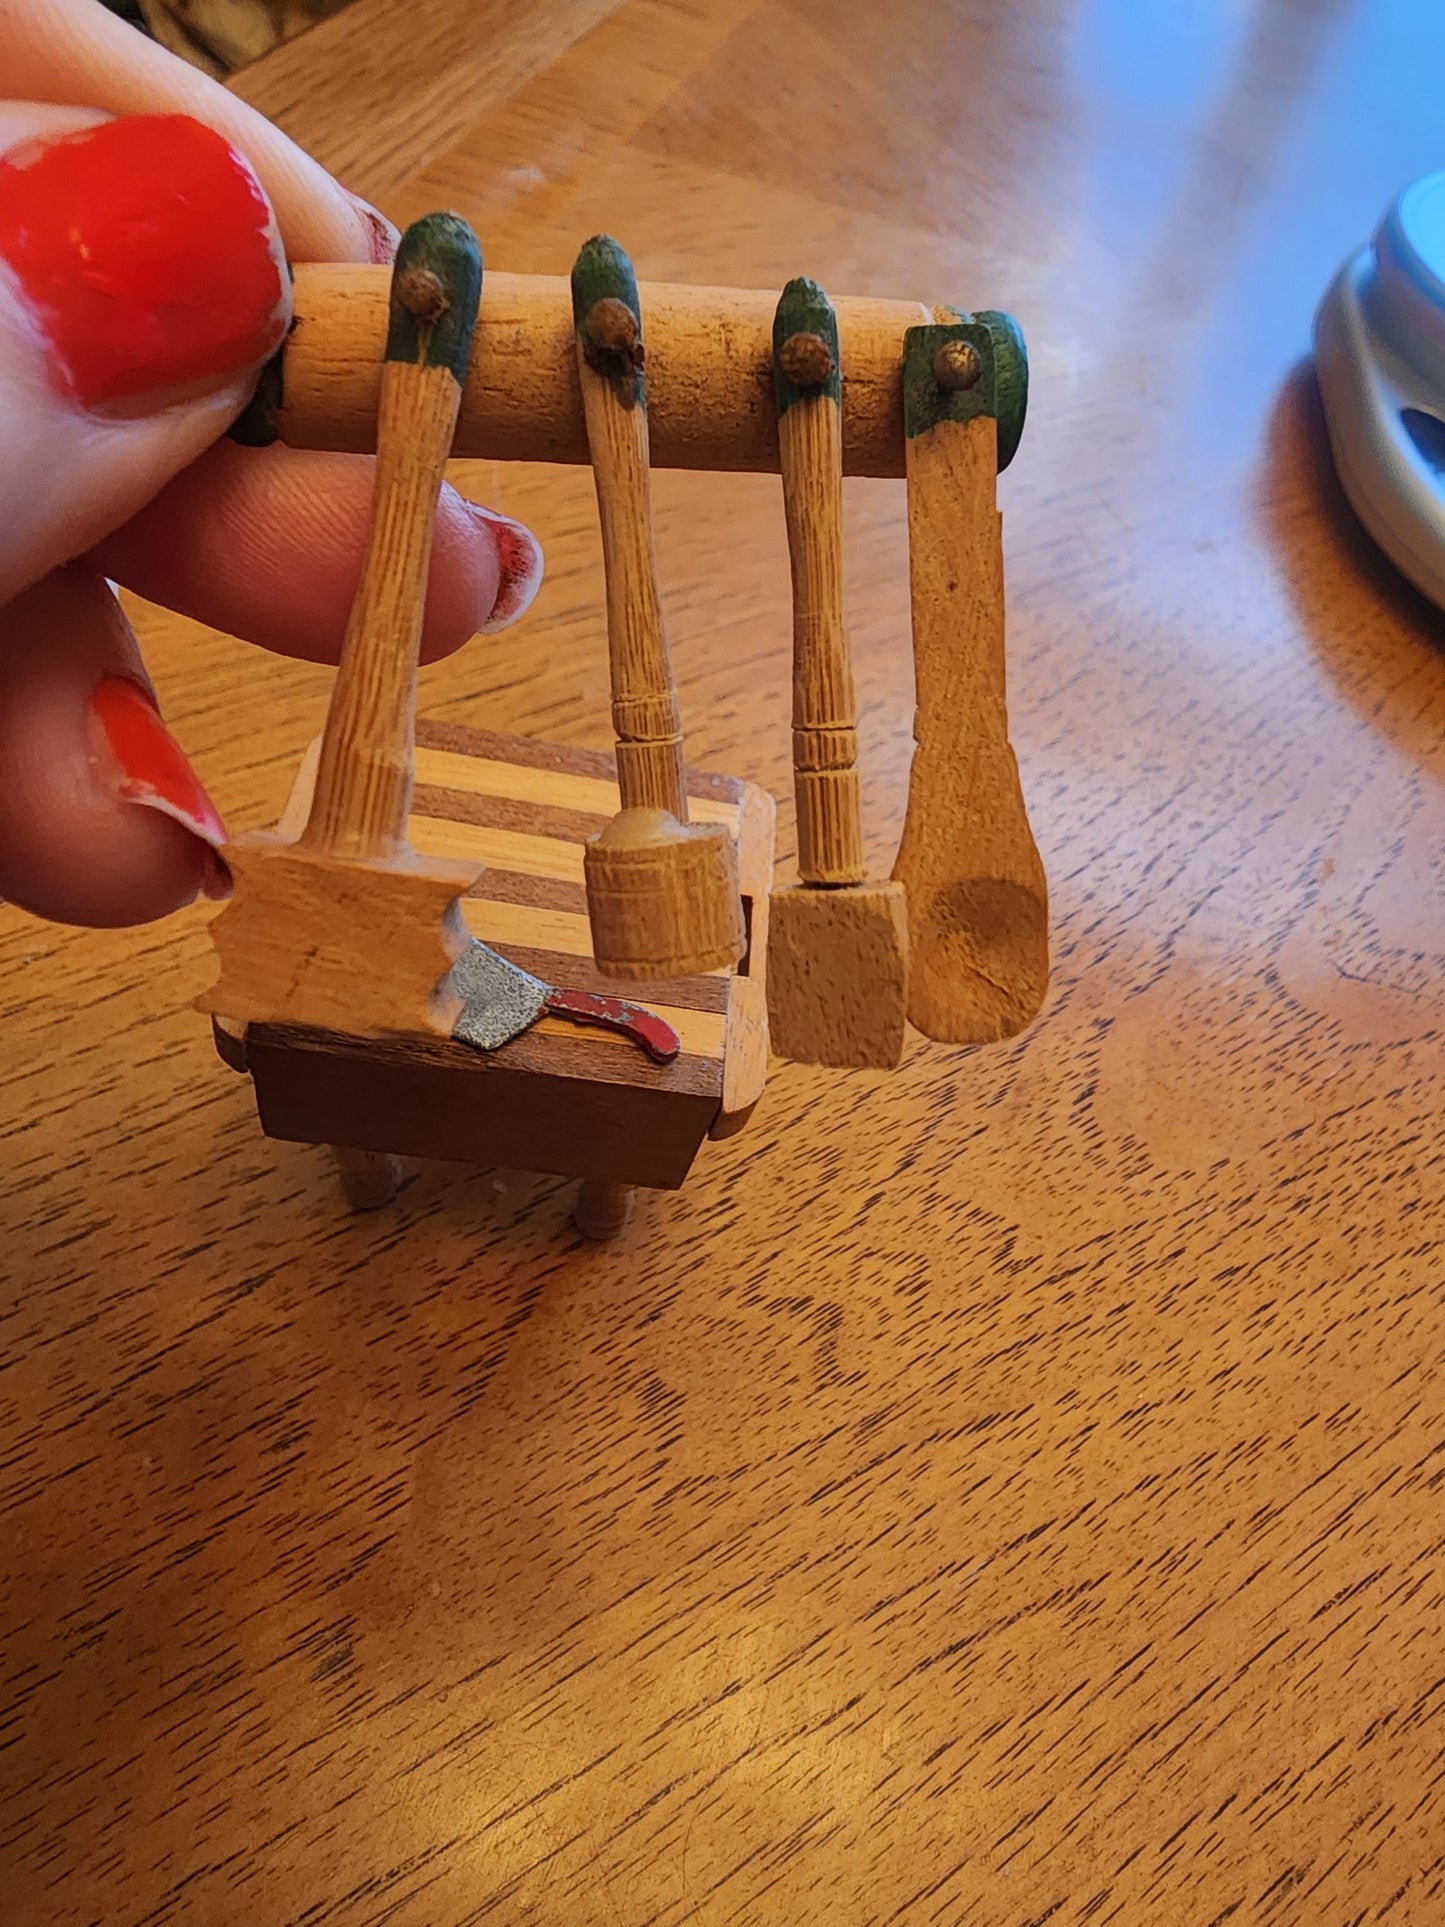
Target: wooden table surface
{"x": 998, "y": 1493}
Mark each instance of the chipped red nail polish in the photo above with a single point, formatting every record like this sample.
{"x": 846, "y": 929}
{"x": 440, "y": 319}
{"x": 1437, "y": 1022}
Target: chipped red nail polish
{"x": 217, "y": 884}
{"x": 382, "y": 237}
{"x": 152, "y": 768}
{"x": 143, "y": 250}
{"x": 520, "y": 555}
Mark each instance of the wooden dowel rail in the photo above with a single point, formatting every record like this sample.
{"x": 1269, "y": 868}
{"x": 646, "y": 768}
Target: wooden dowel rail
{"x": 709, "y": 373}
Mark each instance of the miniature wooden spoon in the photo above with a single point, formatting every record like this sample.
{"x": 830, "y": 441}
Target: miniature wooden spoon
{"x": 662, "y": 893}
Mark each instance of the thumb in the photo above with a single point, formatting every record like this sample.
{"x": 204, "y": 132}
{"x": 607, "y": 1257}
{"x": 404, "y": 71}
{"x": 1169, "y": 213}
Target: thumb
{"x": 142, "y": 286}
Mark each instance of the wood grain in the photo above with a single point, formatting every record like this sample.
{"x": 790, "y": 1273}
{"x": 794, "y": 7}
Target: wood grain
{"x": 827, "y": 796}
{"x": 645, "y": 711}
{"x": 442, "y": 1101}
{"x": 365, "y": 769}
{"x": 998, "y": 1492}
{"x": 377, "y": 96}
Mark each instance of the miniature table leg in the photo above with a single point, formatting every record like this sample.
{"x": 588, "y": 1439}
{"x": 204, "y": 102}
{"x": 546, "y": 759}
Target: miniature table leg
{"x": 602, "y": 1209}
{"x": 369, "y": 1178}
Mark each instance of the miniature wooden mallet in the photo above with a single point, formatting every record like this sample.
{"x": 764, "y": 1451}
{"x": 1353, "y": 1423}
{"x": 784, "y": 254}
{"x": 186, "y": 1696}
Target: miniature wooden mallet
{"x": 662, "y": 894}
{"x": 347, "y": 928}
{"x": 978, "y": 915}
{"x": 838, "y": 944}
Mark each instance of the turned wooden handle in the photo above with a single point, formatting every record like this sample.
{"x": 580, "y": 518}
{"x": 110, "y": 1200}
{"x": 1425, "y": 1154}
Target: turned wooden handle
{"x": 807, "y": 372}
{"x": 364, "y": 775}
{"x": 609, "y": 354}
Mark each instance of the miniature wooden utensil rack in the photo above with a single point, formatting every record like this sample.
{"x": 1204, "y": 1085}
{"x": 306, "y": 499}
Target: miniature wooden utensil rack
{"x": 426, "y": 958}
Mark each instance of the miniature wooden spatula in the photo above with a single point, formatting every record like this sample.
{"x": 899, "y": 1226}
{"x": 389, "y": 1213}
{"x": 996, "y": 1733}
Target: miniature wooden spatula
{"x": 662, "y": 893}
{"x": 838, "y": 944}
{"x": 977, "y": 899}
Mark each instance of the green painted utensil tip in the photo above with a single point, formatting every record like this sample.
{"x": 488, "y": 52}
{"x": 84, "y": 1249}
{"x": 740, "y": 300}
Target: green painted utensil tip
{"x": 971, "y": 365}
{"x": 806, "y": 362}
{"x": 608, "y": 315}
{"x": 1011, "y": 378}
{"x": 436, "y": 287}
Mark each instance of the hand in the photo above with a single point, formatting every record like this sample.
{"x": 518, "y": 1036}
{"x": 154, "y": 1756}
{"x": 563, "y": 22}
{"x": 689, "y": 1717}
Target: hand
{"x": 142, "y": 287}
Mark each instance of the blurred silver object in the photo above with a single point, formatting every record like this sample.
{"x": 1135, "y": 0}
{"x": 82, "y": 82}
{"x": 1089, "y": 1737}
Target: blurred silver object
{"x": 1380, "y": 357}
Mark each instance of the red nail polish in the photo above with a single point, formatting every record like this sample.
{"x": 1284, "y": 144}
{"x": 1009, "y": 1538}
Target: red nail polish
{"x": 153, "y": 770}
{"x": 217, "y": 885}
{"x": 382, "y": 237}
{"x": 520, "y": 555}
{"x": 144, "y": 250}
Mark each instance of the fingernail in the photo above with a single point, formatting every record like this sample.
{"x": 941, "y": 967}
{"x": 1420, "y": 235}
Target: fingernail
{"x": 146, "y": 765}
{"x": 217, "y": 885}
{"x": 146, "y": 253}
{"x": 520, "y": 554}
{"x": 382, "y": 237}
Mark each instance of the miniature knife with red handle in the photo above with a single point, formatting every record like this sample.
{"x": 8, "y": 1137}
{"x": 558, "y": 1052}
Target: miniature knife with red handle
{"x": 500, "y": 1001}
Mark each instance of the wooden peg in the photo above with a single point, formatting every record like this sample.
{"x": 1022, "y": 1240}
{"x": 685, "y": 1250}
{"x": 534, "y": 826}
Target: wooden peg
{"x": 838, "y": 944}
{"x": 977, "y": 897}
{"x": 662, "y": 894}
{"x": 347, "y": 928}
{"x": 369, "y": 1179}
{"x": 602, "y": 1210}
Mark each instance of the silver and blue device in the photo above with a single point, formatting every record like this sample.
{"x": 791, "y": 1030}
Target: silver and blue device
{"x": 1380, "y": 357}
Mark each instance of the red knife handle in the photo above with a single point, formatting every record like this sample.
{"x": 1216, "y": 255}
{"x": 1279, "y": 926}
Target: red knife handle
{"x": 644, "y": 1027}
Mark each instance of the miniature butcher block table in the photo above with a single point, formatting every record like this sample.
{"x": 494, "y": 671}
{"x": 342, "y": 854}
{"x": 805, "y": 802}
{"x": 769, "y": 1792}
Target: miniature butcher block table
{"x": 560, "y": 1098}
{"x": 1000, "y": 1491}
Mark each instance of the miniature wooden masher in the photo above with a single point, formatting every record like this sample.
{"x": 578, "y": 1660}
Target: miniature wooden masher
{"x": 662, "y": 893}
